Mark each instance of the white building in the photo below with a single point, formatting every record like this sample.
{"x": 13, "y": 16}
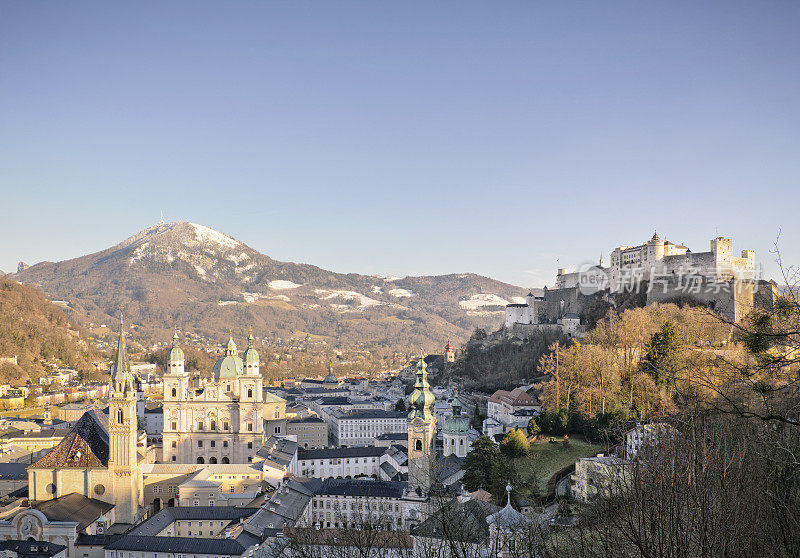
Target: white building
{"x": 341, "y": 462}
{"x": 222, "y": 421}
{"x": 360, "y": 428}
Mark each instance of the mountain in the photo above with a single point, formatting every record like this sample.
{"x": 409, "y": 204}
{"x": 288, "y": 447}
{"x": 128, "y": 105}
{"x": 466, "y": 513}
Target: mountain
{"x": 37, "y": 333}
{"x": 205, "y": 282}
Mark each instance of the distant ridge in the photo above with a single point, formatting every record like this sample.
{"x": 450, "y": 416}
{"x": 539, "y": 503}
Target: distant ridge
{"x": 202, "y": 280}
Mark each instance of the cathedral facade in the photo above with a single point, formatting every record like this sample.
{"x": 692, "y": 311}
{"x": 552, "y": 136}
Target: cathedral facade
{"x": 220, "y": 422}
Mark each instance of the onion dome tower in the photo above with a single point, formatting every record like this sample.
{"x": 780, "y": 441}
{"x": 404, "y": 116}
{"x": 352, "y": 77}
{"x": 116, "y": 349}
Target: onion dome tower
{"x": 449, "y": 353}
{"x": 421, "y": 431}
{"x": 175, "y": 358}
{"x": 251, "y": 360}
{"x": 456, "y": 431}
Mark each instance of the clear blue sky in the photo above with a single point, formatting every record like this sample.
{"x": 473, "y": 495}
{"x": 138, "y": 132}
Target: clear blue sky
{"x": 402, "y": 137}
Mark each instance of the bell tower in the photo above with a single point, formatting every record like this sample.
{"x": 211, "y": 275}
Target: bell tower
{"x": 123, "y": 462}
{"x": 421, "y": 431}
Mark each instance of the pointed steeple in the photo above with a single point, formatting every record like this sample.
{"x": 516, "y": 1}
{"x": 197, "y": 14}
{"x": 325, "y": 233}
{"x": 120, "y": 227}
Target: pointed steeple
{"x": 122, "y": 378}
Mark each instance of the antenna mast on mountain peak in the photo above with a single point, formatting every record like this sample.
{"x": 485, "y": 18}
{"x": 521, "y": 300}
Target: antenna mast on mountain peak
{"x": 161, "y": 222}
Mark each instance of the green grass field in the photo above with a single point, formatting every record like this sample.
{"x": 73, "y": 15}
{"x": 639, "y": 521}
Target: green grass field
{"x": 546, "y": 458}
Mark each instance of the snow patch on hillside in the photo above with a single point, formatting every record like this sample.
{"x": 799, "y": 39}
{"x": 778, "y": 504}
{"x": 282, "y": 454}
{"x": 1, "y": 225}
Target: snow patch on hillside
{"x": 479, "y": 300}
{"x": 282, "y": 285}
{"x": 401, "y": 293}
{"x": 363, "y": 300}
{"x": 376, "y": 289}
{"x": 206, "y": 235}
{"x": 227, "y": 302}
{"x": 387, "y": 278}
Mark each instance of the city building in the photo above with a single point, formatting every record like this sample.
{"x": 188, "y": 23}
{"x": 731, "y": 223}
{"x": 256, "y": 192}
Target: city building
{"x": 311, "y": 432}
{"x": 361, "y": 427}
{"x": 219, "y": 422}
{"x": 598, "y": 476}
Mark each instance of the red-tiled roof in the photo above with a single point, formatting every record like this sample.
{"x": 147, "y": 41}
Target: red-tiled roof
{"x": 85, "y": 446}
{"x": 516, "y": 397}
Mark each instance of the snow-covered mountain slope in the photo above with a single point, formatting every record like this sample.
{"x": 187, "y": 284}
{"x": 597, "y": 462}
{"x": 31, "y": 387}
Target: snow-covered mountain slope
{"x": 200, "y": 279}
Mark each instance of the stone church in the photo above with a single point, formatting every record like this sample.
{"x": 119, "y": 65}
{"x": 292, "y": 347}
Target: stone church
{"x": 93, "y": 478}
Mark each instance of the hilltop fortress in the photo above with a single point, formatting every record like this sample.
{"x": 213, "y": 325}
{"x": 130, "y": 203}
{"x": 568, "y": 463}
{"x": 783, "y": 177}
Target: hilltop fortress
{"x": 655, "y": 271}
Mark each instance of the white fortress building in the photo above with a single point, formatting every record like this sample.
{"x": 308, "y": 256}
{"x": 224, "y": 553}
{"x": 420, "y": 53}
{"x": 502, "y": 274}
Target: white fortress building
{"x": 222, "y": 421}
{"x": 659, "y": 258}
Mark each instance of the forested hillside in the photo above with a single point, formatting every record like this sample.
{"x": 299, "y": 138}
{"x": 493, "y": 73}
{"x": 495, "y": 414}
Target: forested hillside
{"x": 37, "y": 332}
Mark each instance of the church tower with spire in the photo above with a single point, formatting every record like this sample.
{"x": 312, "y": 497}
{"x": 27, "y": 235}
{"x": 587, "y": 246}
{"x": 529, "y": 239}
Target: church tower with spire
{"x": 421, "y": 431}
{"x": 123, "y": 462}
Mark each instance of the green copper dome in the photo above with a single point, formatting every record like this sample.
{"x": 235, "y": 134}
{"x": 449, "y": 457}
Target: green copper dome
{"x": 456, "y": 423}
{"x": 421, "y": 399}
{"x": 230, "y": 365}
{"x": 330, "y": 379}
{"x": 176, "y": 353}
{"x": 250, "y": 355}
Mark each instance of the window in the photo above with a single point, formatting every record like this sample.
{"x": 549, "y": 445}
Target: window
{"x": 174, "y": 425}
{"x": 200, "y": 425}
{"x": 120, "y": 417}
{"x": 199, "y": 443}
{"x": 197, "y": 503}
{"x": 99, "y": 489}
{"x": 224, "y": 425}
{"x": 213, "y": 425}
{"x": 249, "y": 393}
{"x": 174, "y": 392}
{"x": 174, "y": 444}
{"x": 249, "y": 445}
{"x": 211, "y": 503}
{"x": 225, "y": 443}
{"x": 213, "y": 443}
{"x": 249, "y": 426}
{"x": 173, "y": 458}
{"x": 418, "y": 445}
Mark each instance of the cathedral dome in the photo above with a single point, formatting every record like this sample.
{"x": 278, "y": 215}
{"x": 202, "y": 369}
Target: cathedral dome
{"x": 330, "y": 381}
{"x": 230, "y": 365}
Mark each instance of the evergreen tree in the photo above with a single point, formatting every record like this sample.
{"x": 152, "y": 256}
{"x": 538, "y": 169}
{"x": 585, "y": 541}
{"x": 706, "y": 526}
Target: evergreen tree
{"x": 481, "y": 464}
{"x": 400, "y": 405}
{"x": 663, "y": 353}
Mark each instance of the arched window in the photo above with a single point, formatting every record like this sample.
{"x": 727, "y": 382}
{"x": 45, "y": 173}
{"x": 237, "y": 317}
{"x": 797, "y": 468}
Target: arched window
{"x": 249, "y": 393}
{"x": 174, "y": 392}
{"x": 201, "y": 460}
{"x": 418, "y": 445}
{"x": 212, "y": 459}
{"x": 225, "y": 460}
{"x": 120, "y": 416}
{"x": 213, "y": 425}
